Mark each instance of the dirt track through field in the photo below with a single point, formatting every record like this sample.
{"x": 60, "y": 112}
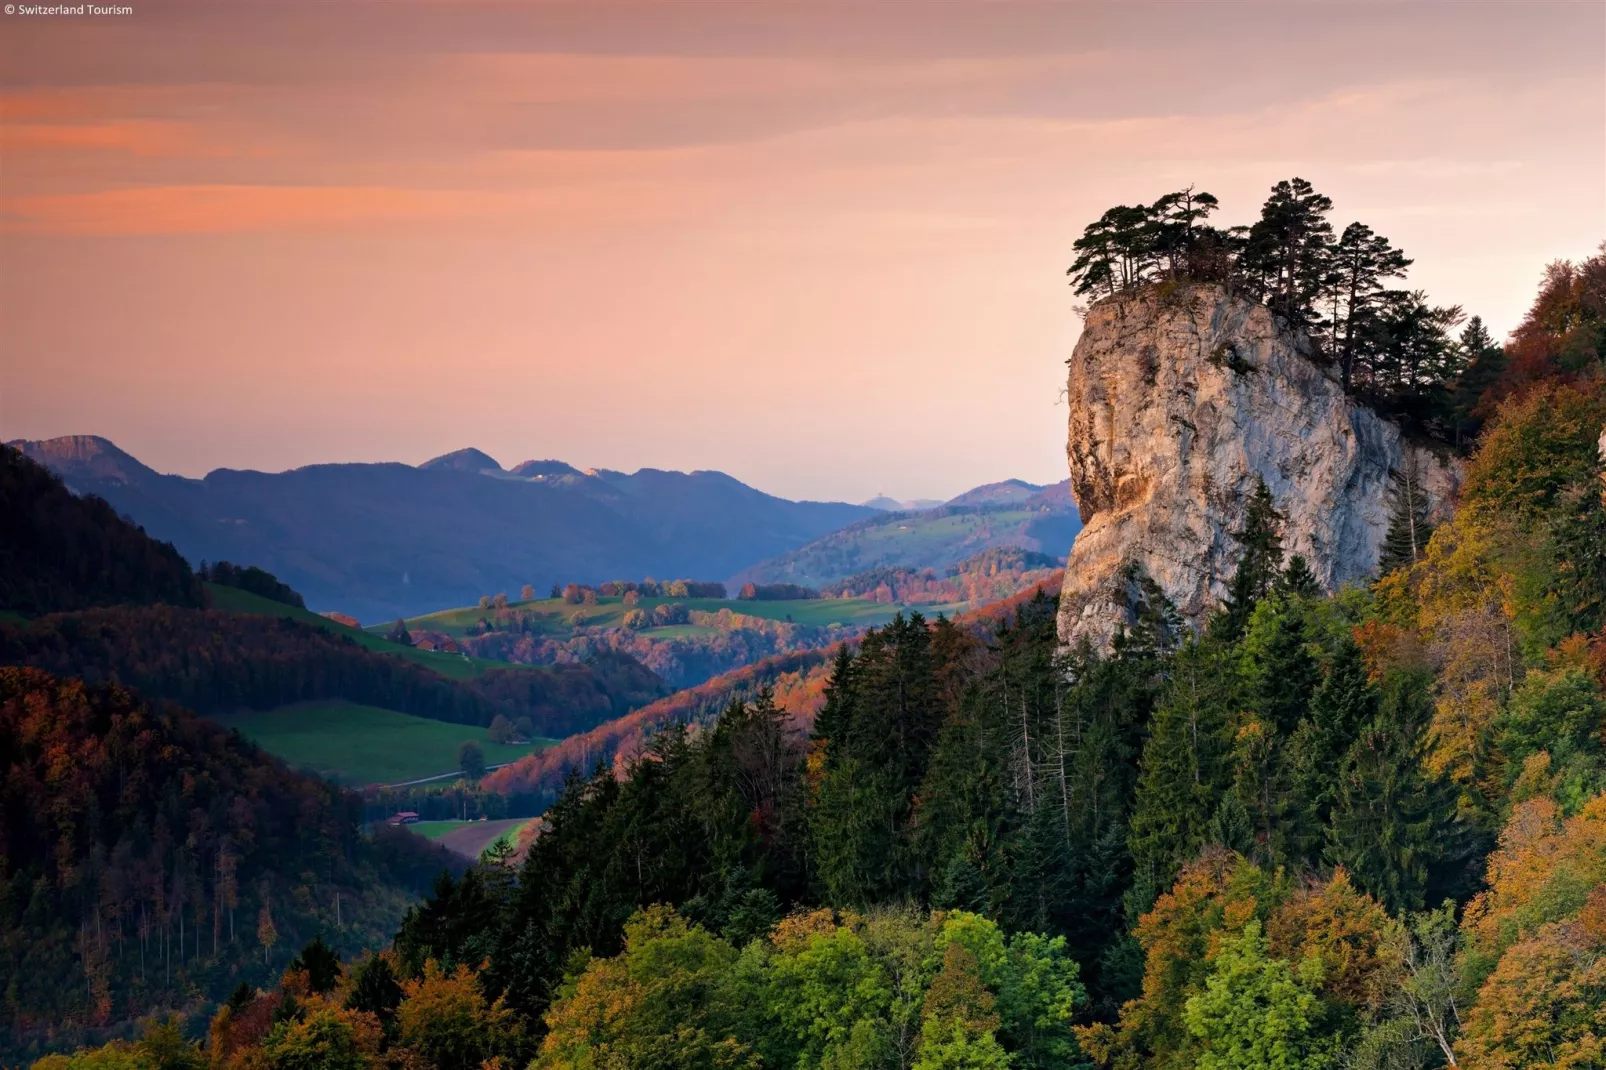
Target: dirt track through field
{"x": 471, "y": 839}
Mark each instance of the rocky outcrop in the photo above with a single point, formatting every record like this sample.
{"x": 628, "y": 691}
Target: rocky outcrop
{"x": 84, "y": 457}
{"x": 1180, "y": 400}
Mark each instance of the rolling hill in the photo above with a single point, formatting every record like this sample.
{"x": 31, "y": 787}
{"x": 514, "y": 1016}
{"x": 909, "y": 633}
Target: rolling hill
{"x": 1011, "y": 513}
{"x": 797, "y": 681}
{"x": 380, "y": 541}
{"x": 552, "y": 617}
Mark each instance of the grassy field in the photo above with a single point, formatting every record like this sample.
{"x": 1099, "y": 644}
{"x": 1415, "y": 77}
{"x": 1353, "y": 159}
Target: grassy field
{"x": 434, "y": 830}
{"x": 358, "y": 745}
{"x": 455, "y": 666}
{"x": 552, "y": 617}
{"x": 8, "y": 616}
{"x": 471, "y": 838}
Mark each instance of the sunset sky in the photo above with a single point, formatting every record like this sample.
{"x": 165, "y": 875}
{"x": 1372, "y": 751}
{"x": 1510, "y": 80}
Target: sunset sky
{"x": 819, "y": 246}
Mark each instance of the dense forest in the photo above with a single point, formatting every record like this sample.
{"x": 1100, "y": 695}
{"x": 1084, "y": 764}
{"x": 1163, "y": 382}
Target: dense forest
{"x": 1362, "y": 829}
{"x": 150, "y": 859}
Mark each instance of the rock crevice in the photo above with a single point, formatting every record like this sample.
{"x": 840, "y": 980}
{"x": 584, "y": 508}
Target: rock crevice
{"x": 1181, "y": 398}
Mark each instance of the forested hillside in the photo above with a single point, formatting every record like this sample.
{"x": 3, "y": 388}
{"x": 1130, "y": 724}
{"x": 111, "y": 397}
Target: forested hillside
{"x": 794, "y": 682}
{"x": 161, "y": 642}
{"x": 220, "y": 662}
{"x": 1323, "y": 821}
{"x": 152, "y": 860}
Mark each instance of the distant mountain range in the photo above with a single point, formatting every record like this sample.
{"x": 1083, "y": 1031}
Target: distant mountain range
{"x": 1011, "y": 513}
{"x": 893, "y": 505}
{"x": 385, "y": 540}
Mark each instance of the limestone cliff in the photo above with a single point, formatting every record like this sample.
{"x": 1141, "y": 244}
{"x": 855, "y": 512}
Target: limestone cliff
{"x": 1179, "y": 399}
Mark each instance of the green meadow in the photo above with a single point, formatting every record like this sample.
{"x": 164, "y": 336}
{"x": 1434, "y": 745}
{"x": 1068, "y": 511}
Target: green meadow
{"x": 455, "y": 666}
{"x": 434, "y": 830}
{"x": 357, "y": 745}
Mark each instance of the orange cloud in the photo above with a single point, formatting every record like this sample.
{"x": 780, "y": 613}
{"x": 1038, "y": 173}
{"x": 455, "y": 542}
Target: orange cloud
{"x": 104, "y": 102}
{"x": 137, "y": 136}
{"x": 217, "y": 209}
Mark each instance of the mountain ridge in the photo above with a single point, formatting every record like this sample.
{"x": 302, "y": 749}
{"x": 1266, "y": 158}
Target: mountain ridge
{"x": 380, "y": 540}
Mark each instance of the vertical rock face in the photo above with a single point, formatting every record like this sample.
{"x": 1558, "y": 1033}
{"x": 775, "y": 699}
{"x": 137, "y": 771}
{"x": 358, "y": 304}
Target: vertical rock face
{"x": 1180, "y": 399}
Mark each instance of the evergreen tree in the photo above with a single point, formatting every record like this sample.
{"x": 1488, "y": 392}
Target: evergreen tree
{"x": 831, "y": 723}
{"x": 888, "y": 718}
{"x": 1298, "y": 581}
{"x": 1288, "y": 253}
{"x": 1259, "y": 563}
{"x": 1184, "y": 770}
{"x": 1179, "y": 223}
{"x": 1411, "y": 347}
{"x": 1387, "y": 816}
{"x": 1116, "y": 251}
{"x": 1409, "y": 529}
{"x": 1231, "y": 827}
{"x": 321, "y": 965}
{"x": 1579, "y": 581}
{"x": 471, "y": 759}
{"x": 1485, "y": 364}
{"x": 968, "y": 816}
{"x": 375, "y": 988}
{"x": 1282, "y": 672}
{"x": 1361, "y": 261}
{"x": 1089, "y": 805}
{"x": 1345, "y": 701}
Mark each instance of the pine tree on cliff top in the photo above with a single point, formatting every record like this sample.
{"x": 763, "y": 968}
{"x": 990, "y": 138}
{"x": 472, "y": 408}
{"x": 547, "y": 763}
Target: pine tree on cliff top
{"x": 1289, "y": 251}
{"x": 1361, "y": 261}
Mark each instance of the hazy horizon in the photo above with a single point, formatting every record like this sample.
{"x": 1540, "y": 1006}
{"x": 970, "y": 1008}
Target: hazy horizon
{"x": 819, "y": 247}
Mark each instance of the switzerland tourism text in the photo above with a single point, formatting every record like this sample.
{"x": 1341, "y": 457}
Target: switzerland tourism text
{"x": 68, "y": 9}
